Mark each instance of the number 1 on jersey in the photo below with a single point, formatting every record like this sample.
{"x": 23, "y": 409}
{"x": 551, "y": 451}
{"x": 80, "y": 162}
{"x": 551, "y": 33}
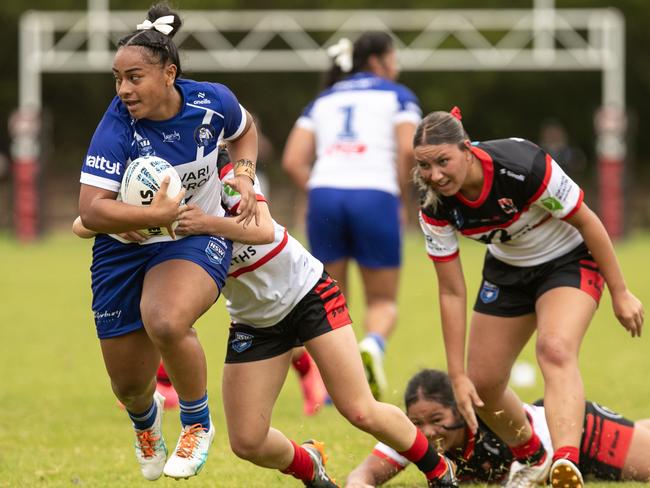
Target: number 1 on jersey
{"x": 347, "y": 132}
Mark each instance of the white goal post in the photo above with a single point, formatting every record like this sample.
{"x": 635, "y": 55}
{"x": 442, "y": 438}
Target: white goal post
{"x": 538, "y": 39}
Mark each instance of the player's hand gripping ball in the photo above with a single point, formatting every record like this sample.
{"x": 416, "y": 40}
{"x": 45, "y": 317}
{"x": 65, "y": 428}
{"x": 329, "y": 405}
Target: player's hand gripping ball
{"x": 142, "y": 180}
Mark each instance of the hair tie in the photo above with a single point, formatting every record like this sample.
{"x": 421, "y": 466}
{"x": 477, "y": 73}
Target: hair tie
{"x": 455, "y": 112}
{"x": 341, "y": 52}
{"x": 161, "y": 24}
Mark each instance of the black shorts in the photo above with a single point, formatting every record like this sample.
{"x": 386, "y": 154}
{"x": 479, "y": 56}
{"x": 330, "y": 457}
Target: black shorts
{"x": 511, "y": 291}
{"x": 321, "y": 310}
{"x": 605, "y": 442}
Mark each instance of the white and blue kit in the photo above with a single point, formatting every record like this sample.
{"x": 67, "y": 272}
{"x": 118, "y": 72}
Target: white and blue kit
{"x": 353, "y": 208}
{"x": 189, "y": 141}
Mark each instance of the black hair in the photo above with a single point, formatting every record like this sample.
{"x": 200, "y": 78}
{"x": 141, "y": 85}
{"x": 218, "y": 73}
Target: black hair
{"x": 430, "y": 384}
{"x": 160, "y": 46}
{"x": 371, "y": 43}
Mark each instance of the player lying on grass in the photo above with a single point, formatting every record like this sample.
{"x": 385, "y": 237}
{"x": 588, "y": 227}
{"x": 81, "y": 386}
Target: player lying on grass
{"x": 279, "y": 297}
{"x": 613, "y": 447}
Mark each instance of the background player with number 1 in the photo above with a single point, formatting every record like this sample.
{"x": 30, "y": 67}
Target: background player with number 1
{"x": 359, "y": 132}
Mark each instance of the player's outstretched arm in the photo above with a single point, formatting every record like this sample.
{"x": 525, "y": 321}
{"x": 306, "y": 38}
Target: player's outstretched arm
{"x": 373, "y": 471}
{"x": 627, "y": 308}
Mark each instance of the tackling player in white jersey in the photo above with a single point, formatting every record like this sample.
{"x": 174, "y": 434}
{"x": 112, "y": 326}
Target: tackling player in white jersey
{"x": 279, "y": 297}
{"x": 542, "y": 272}
{"x": 358, "y": 135}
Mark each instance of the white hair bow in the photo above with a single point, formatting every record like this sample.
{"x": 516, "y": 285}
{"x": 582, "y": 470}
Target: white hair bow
{"x": 161, "y": 24}
{"x": 341, "y": 52}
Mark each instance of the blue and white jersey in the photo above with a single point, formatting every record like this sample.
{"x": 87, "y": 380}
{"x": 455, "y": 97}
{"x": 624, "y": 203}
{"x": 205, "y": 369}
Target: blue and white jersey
{"x": 354, "y": 126}
{"x": 188, "y": 141}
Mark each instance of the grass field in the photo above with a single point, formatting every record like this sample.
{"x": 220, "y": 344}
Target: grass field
{"x": 60, "y": 425}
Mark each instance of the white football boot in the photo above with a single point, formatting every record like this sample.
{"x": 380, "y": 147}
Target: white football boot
{"x": 150, "y": 449}
{"x": 528, "y": 475}
{"x": 373, "y": 363}
{"x": 191, "y": 451}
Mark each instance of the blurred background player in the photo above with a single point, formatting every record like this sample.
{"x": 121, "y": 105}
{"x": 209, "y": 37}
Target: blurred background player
{"x": 613, "y": 448}
{"x": 358, "y": 135}
{"x": 542, "y": 272}
{"x": 147, "y": 297}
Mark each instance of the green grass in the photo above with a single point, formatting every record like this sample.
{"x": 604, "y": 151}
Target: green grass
{"x": 60, "y": 425}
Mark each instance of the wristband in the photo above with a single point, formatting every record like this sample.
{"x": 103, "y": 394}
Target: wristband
{"x": 245, "y": 167}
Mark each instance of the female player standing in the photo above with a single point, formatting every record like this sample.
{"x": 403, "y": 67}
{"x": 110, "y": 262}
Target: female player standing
{"x": 359, "y": 130}
{"x": 542, "y": 271}
{"x": 146, "y": 298}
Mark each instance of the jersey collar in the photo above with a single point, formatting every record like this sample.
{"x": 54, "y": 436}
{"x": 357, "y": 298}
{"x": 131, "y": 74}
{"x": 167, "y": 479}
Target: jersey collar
{"x": 488, "y": 177}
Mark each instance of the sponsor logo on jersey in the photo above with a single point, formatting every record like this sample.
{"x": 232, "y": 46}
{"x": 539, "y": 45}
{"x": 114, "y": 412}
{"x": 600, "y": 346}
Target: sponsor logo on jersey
{"x": 216, "y": 250}
{"x": 103, "y": 164}
{"x": 172, "y": 137}
{"x": 512, "y": 174}
{"x": 346, "y": 148}
{"x": 230, "y": 191}
{"x": 202, "y": 100}
{"x": 489, "y": 292}
{"x": 204, "y": 135}
{"x": 197, "y": 178}
{"x": 243, "y": 255}
{"x": 507, "y": 205}
{"x": 552, "y": 203}
{"x": 241, "y": 342}
{"x": 106, "y": 317}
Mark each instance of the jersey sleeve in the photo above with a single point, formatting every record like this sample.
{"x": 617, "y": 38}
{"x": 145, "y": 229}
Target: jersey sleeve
{"x": 230, "y": 198}
{"x": 390, "y": 455}
{"x": 440, "y": 237}
{"x": 556, "y": 193}
{"x": 305, "y": 121}
{"x": 108, "y": 154}
{"x": 408, "y": 107}
{"x": 234, "y": 114}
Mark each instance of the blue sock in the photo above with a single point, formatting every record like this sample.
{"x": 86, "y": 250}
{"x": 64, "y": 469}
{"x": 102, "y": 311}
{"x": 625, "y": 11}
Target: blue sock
{"x": 195, "y": 412}
{"x": 144, "y": 420}
{"x": 381, "y": 341}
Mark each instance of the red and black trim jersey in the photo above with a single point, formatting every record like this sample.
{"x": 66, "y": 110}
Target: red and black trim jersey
{"x": 519, "y": 213}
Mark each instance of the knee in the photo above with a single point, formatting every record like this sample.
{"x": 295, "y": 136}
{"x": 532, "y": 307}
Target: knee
{"x": 554, "y": 352}
{"x": 165, "y": 327}
{"x": 248, "y": 449}
{"x": 359, "y": 415}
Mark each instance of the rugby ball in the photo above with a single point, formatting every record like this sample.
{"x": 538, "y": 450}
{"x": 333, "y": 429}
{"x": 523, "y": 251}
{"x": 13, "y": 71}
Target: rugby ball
{"x": 142, "y": 181}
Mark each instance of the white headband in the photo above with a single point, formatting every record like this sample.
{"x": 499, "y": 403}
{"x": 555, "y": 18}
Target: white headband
{"x": 341, "y": 52}
{"x": 161, "y": 24}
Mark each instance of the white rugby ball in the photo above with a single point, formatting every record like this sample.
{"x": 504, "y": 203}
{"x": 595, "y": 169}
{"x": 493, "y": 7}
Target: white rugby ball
{"x": 142, "y": 181}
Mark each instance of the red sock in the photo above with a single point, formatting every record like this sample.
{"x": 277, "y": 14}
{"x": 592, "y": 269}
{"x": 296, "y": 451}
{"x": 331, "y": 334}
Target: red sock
{"x": 302, "y": 466}
{"x": 525, "y": 451}
{"x": 162, "y": 375}
{"x": 425, "y": 457}
{"x": 568, "y": 452}
{"x": 302, "y": 364}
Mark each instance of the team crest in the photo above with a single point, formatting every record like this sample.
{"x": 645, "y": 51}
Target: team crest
{"x": 204, "y": 135}
{"x": 507, "y": 205}
{"x": 241, "y": 342}
{"x": 144, "y": 147}
{"x": 215, "y": 250}
{"x": 489, "y": 292}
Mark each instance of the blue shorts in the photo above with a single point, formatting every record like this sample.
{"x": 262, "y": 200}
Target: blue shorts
{"x": 118, "y": 272}
{"x": 359, "y": 224}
